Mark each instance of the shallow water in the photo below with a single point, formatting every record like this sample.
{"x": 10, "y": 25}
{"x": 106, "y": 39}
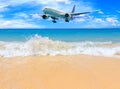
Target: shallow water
{"x": 25, "y": 42}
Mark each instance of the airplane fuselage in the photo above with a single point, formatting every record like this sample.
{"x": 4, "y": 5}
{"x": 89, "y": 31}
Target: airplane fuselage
{"x": 53, "y": 12}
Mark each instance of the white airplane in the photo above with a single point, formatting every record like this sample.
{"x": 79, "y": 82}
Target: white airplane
{"x": 57, "y": 14}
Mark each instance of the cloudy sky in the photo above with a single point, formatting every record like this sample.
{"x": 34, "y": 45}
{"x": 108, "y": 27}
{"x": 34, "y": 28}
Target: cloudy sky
{"x": 24, "y": 13}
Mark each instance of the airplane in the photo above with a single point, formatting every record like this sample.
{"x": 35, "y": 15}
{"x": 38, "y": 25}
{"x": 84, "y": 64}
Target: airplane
{"x": 57, "y": 14}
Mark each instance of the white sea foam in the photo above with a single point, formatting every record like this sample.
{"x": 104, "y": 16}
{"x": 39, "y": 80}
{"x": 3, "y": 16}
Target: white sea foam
{"x": 38, "y": 45}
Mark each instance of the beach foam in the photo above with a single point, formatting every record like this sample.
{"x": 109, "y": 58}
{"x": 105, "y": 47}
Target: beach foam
{"x": 38, "y": 45}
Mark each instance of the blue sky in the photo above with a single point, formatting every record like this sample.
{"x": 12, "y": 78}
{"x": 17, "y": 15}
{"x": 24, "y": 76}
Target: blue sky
{"x": 25, "y": 13}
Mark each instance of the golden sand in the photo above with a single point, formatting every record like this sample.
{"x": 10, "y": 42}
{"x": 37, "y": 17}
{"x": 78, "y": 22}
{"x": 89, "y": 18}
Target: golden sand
{"x": 60, "y": 72}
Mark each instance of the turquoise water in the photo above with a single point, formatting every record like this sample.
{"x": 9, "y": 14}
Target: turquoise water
{"x": 67, "y": 35}
{"x": 30, "y": 42}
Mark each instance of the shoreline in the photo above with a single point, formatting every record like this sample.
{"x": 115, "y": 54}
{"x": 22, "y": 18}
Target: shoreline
{"x": 60, "y": 72}
{"x": 116, "y": 56}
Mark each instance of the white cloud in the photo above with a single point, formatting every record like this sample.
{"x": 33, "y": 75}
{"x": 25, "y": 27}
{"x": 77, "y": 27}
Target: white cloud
{"x": 36, "y": 16}
{"x": 118, "y": 11}
{"x": 3, "y": 7}
{"x": 99, "y": 20}
{"x": 100, "y": 12}
{"x": 17, "y": 2}
{"x": 94, "y": 22}
{"x": 106, "y": 22}
{"x": 21, "y": 15}
{"x": 112, "y": 20}
{"x": 66, "y": 4}
{"x": 17, "y": 24}
{"x": 80, "y": 20}
{"x": 52, "y": 1}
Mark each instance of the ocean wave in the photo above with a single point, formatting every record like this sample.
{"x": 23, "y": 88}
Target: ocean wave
{"x": 38, "y": 45}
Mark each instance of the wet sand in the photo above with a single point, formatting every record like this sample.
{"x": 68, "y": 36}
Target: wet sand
{"x": 60, "y": 72}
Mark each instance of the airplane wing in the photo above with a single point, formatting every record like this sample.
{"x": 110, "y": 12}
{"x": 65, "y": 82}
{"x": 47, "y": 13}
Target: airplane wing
{"x": 42, "y": 16}
{"x": 73, "y": 14}
{"x": 36, "y": 15}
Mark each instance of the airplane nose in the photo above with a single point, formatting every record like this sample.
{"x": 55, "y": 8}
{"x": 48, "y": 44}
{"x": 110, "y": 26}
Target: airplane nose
{"x": 44, "y": 9}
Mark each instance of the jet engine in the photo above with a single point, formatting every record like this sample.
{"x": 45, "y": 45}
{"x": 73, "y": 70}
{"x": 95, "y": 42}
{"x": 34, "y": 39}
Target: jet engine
{"x": 67, "y": 17}
{"x": 45, "y": 16}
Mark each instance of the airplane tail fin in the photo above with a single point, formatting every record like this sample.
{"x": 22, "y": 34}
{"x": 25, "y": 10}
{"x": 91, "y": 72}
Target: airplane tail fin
{"x": 73, "y": 10}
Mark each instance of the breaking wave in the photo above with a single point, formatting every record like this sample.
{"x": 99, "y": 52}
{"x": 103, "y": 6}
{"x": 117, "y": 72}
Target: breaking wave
{"x": 38, "y": 45}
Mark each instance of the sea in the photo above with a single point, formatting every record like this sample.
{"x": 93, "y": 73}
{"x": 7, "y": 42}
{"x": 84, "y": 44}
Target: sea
{"x": 43, "y": 42}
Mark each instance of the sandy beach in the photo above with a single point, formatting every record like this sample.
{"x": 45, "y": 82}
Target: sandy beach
{"x": 60, "y": 72}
